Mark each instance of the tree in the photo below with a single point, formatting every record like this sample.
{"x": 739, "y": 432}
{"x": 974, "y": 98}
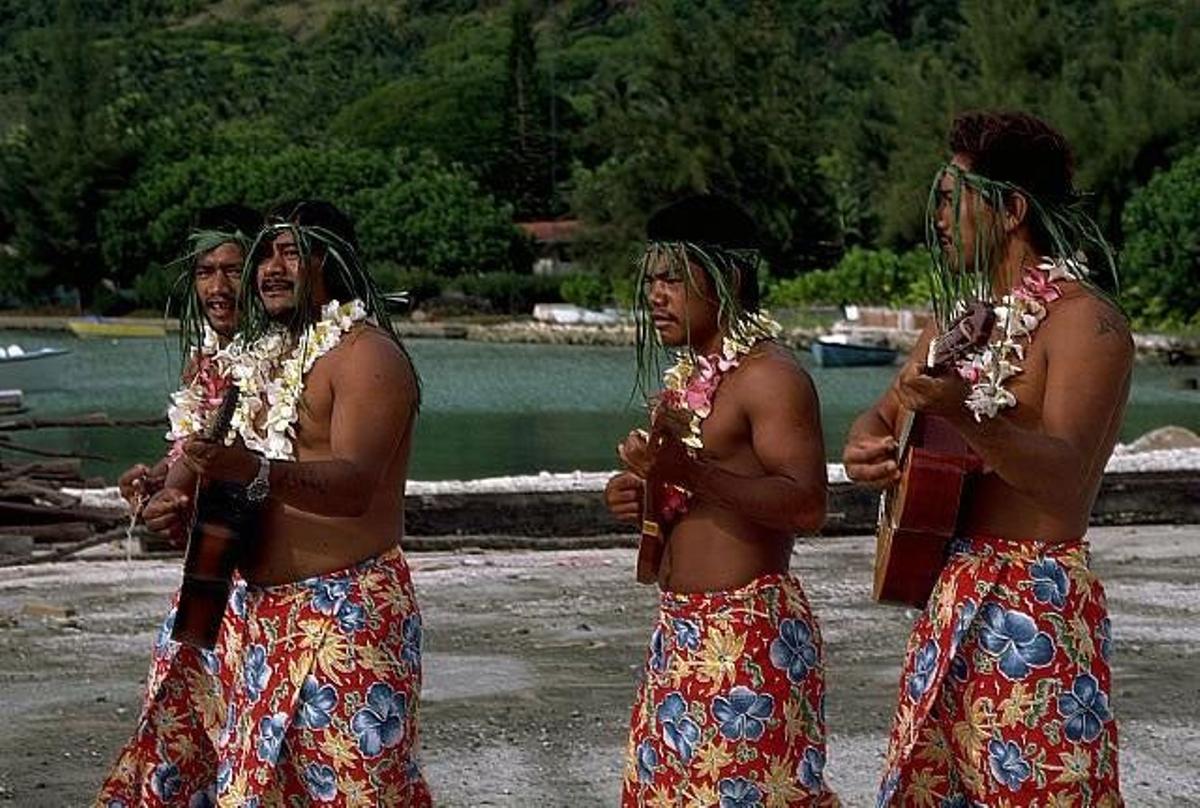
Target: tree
{"x": 64, "y": 164}
{"x": 1160, "y": 281}
{"x": 524, "y": 173}
{"x": 716, "y": 100}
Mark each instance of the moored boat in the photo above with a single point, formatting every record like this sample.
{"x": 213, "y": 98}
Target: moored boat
{"x": 114, "y": 329}
{"x": 837, "y": 351}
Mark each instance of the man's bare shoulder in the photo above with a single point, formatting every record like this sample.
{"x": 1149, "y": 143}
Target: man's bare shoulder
{"x": 770, "y": 369}
{"x": 1085, "y": 317}
{"x": 370, "y": 351}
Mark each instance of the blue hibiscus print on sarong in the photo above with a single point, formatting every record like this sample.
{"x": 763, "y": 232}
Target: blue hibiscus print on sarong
{"x": 687, "y": 634}
{"x": 954, "y": 801}
{"x": 210, "y": 661}
{"x": 329, "y": 593}
{"x": 1050, "y": 584}
{"x": 887, "y": 789}
{"x": 1008, "y": 766}
{"x": 228, "y": 727}
{"x": 1085, "y": 709}
{"x": 960, "y": 668}
{"x": 1013, "y": 638}
{"x": 811, "y": 771}
{"x": 738, "y": 792}
{"x": 924, "y": 668}
{"x": 380, "y": 724}
{"x": 794, "y": 650}
{"x": 165, "y": 781}
{"x": 207, "y": 798}
{"x": 255, "y": 671}
{"x": 658, "y": 651}
{"x": 270, "y": 737}
{"x": 224, "y": 776}
{"x": 411, "y": 629}
{"x": 351, "y": 617}
{"x": 743, "y": 713}
{"x": 1104, "y": 632}
{"x": 966, "y": 615}
{"x": 679, "y": 730}
{"x": 647, "y": 761}
{"x": 163, "y": 640}
{"x": 237, "y": 600}
{"x": 316, "y": 704}
{"x": 321, "y": 782}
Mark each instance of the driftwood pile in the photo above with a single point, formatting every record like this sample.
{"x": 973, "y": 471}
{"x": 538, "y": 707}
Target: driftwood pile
{"x": 34, "y": 509}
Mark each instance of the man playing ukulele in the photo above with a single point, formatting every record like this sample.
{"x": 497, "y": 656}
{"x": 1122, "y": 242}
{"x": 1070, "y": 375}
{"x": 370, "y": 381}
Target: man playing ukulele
{"x": 1004, "y": 690}
{"x": 731, "y": 709}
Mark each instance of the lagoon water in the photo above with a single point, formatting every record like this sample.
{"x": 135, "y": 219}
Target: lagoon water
{"x": 488, "y": 409}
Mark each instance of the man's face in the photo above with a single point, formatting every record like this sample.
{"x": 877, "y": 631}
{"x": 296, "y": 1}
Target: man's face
{"x": 970, "y": 207}
{"x": 217, "y": 275}
{"x": 684, "y": 311}
{"x": 280, "y": 272}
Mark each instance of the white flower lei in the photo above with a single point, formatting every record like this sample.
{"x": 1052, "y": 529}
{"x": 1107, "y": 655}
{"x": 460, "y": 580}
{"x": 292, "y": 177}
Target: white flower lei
{"x": 1017, "y": 316}
{"x": 271, "y": 383}
{"x": 190, "y": 405}
{"x": 691, "y": 383}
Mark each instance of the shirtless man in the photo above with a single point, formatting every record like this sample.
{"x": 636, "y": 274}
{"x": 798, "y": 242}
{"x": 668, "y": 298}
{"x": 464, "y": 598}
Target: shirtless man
{"x": 731, "y": 708}
{"x": 1004, "y": 692}
{"x": 183, "y": 708}
{"x": 323, "y": 647}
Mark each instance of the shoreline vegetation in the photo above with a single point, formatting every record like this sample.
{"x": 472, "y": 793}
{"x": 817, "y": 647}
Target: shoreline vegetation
{"x": 800, "y": 329}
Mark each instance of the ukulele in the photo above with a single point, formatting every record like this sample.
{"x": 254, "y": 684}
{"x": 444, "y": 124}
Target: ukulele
{"x": 652, "y": 542}
{"x": 213, "y": 548}
{"x": 919, "y": 514}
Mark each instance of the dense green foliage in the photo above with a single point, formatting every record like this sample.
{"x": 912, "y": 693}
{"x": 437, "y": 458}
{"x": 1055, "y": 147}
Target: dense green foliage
{"x": 438, "y": 123}
{"x": 1162, "y": 254}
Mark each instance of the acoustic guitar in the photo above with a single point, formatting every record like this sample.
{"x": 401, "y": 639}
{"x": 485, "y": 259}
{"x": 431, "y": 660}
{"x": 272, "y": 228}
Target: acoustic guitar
{"x": 918, "y": 516}
{"x": 213, "y": 547}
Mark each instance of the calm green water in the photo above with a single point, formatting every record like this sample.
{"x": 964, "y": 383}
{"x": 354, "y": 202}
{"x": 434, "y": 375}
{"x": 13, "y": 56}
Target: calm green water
{"x": 488, "y": 409}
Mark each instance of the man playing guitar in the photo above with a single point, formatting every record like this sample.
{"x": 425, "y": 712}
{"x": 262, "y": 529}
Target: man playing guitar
{"x": 1004, "y": 690}
{"x": 734, "y": 466}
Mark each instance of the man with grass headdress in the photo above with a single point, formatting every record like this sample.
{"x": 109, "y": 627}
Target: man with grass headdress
{"x": 321, "y": 646}
{"x": 1004, "y": 690}
{"x": 732, "y": 706}
{"x": 183, "y": 707}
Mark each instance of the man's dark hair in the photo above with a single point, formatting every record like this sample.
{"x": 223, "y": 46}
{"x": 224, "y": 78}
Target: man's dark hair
{"x": 229, "y": 218}
{"x": 1019, "y": 149}
{"x": 716, "y": 225}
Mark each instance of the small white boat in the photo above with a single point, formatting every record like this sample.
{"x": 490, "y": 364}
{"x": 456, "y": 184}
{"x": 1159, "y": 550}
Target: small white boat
{"x": 837, "y": 351}
{"x": 27, "y": 370}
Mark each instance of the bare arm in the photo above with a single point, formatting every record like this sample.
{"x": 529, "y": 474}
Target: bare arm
{"x": 374, "y": 401}
{"x": 1089, "y": 359}
{"x": 870, "y": 452}
{"x": 785, "y": 423}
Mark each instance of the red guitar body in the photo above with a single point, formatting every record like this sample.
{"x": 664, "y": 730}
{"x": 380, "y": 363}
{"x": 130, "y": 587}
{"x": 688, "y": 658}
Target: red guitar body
{"x": 919, "y": 516}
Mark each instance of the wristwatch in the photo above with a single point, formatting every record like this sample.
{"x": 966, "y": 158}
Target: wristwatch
{"x": 260, "y": 486}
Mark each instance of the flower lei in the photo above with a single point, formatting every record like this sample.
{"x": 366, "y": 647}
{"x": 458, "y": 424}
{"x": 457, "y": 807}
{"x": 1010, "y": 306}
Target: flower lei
{"x": 193, "y": 404}
{"x": 691, "y": 385}
{"x": 270, "y": 372}
{"x": 1017, "y": 316}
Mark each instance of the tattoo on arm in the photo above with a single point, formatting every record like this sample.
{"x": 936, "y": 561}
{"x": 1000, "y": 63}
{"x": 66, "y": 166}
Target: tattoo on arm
{"x": 1106, "y": 325}
{"x": 301, "y": 479}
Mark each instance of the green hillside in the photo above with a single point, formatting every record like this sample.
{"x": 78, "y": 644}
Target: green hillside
{"x": 438, "y": 123}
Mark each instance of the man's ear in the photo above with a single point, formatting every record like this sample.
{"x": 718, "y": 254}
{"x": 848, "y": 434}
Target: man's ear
{"x": 1016, "y": 209}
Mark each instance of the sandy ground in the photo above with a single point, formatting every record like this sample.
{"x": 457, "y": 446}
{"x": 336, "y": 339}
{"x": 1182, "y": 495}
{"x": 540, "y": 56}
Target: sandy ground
{"x": 532, "y": 658}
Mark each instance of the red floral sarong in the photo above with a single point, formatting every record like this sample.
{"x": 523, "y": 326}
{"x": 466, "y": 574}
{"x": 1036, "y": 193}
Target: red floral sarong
{"x": 1004, "y": 690}
{"x": 318, "y": 682}
{"x": 732, "y": 709}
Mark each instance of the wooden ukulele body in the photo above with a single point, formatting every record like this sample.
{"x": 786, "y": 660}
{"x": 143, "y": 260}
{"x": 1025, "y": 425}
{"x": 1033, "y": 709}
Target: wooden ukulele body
{"x": 919, "y": 515}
